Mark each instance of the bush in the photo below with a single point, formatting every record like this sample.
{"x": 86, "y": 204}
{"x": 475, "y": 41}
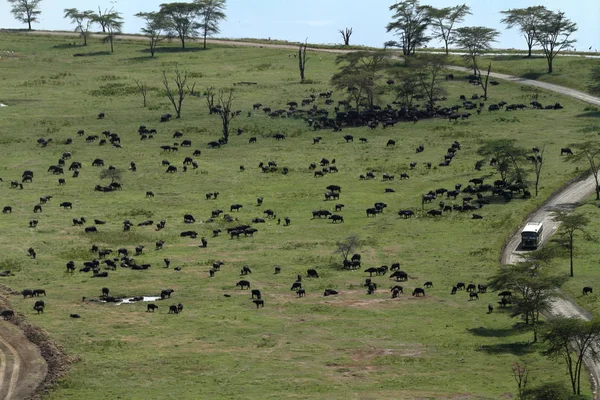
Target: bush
{"x": 548, "y": 391}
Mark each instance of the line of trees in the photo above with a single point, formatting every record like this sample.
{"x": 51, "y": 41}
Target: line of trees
{"x": 412, "y": 22}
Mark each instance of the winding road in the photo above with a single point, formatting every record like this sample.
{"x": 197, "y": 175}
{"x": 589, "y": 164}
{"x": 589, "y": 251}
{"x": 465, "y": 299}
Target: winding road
{"x": 14, "y": 382}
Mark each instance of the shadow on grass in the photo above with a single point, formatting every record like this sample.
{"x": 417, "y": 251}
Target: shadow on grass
{"x": 532, "y": 75}
{"x": 67, "y": 46}
{"x": 487, "y": 332}
{"x": 168, "y": 50}
{"x": 510, "y": 57}
{"x": 93, "y": 54}
{"x": 589, "y": 114}
{"x": 517, "y": 348}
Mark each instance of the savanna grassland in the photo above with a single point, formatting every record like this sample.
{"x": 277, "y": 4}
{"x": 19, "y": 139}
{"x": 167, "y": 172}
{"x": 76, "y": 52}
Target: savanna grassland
{"x": 351, "y": 346}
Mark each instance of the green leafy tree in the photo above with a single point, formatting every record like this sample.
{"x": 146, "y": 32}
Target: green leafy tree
{"x": 211, "y": 13}
{"x": 509, "y": 158}
{"x": 114, "y": 174}
{"x": 156, "y": 28}
{"x": 83, "y": 21}
{"x": 428, "y": 72}
{"x": 181, "y": 19}
{"x": 527, "y": 20}
{"x": 26, "y": 11}
{"x": 444, "y": 19}
{"x": 553, "y": 35}
{"x": 590, "y": 153}
{"x": 406, "y": 85}
{"x": 570, "y": 224}
{"x": 410, "y": 22}
{"x": 100, "y": 17}
{"x": 475, "y": 40}
{"x": 532, "y": 288}
{"x": 360, "y": 75}
{"x": 113, "y": 24}
{"x": 574, "y": 340}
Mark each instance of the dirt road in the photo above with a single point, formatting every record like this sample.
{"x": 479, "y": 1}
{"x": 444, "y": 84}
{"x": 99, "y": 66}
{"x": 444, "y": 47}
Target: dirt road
{"x": 22, "y": 367}
{"x": 567, "y": 199}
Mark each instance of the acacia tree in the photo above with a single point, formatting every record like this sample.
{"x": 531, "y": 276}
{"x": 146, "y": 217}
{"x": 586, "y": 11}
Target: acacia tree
{"x": 143, "y": 88}
{"x": 211, "y": 12}
{"x": 532, "y": 288}
{"x": 114, "y": 174}
{"x": 26, "y": 11}
{"x": 156, "y": 28}
{"x": 178, "y": 94}
{"x": 346, "y": 33}
{"x": 590, "y": 152}
{"x": 302, "y": 59}
{"x": 410, "y": 22}
{"x": 406, "y": 86}
{"x": 360, "y": 74}
{"x": 346, "y": 246}
{"x": 181, "y": 20}
{"x": 225, "y": 100}
{"x": 574, "y": 340}
{"x": 527, "y": 20}
{"x": 82, "y": 20}
{"x": 474, "y": 40}
{"x": 443, "y": 20}
{"x": 428, "y": 71}
{"x": 100, "y": 17}
{"x": 508, "y": 158}
{"x": 113, "y": 25}
{"x": 569, "y": 225}
{"x": 553, "y": 34}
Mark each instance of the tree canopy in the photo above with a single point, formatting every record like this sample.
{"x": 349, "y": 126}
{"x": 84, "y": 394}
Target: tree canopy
{"x": 26, "y": 11}
{"x": 527, "y": 20}
{"x": 554, "y": 34}
{"x": 211, "y": 13}
{"x": 474, "y": 40}
{"x": 181, "y": 19}
{"x": 410, "y": 22}
{"x": 443, "y": 20}
{"x": 82, "y": 20}
{"x": 156, "y": 28}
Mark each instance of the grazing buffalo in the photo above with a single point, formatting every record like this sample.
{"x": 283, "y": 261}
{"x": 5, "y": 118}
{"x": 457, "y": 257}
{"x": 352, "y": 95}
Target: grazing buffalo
{"x": 470, "y": 287}
{"x": 490, "y": 308}
{"x": 256, "y": 293}
{"x": 399, "y": 275}
{"x": 27, "y": 292}
{"x": 66, "y": 204}
{"x": 245, "y": 270}
{"x": 587, "y": 289}
{"x": 566, "y": 150}
{"x": 39, "y": 309}
{"x": 336, "y": 218}
{"x": 151, "y": 307}
{"x": 473, "y": 295}
{"x": 243, "y": 284}
{"x": 301, "y": 292}
{"x": 98, "y": 163}
{"x": 391, "y": 143}
{"x": 434, "y": 212}
{"x": 349, "y": 138}
{"x": 166, "y": 293}
{"x": 312, "y": 273}
{"x": 296, "y": 286}
{"x": 173, "y": 309}
{"x": 7, "y": 209}
{"x": 39, "y": 292}
{"x": 259, "y": 303}
{"x": 428, "y": 284}
{"x": 418, "y": 292}
{"x": 91, "y": 229}
{"x": 235, "y": 207}
{"x": 396, "y": 290}
{"x": 330, "y": 292}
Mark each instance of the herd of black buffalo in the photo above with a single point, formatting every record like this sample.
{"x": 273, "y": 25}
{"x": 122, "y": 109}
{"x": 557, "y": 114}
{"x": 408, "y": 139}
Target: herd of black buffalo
{"x": 473, "y": 196}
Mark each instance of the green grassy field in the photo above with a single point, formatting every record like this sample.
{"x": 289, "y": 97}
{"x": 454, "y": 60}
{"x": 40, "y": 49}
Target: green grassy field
{"x": 574, "y": 72}
{"x": 354, "y": 345}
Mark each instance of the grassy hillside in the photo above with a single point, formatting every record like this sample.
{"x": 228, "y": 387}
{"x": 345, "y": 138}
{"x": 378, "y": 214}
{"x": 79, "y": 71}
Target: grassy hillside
{"x": 352, "y": 345}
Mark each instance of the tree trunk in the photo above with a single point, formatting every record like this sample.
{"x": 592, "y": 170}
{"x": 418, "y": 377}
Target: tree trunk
{"x": 112, "y": 50}
{"x": 529, "y": 53}
{"x": 29, "y": 22}
{"x": 205, "y": 39}
{"x": 447, "y": 51}
{"x": 549, "y": 65}
{"x": 571, "y": 253}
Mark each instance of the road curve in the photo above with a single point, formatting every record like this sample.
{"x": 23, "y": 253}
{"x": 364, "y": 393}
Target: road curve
{"x": 568, "y": 198}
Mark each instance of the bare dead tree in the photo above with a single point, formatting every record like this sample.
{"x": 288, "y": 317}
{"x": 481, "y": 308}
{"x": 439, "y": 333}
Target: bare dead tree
{"x": 143, "y": 88}
{"x": 302, "y": 59}
{"x": 210, "y": 98}
{"x": 538, "y": 163}
{"x": 483, "y": 85}
{"x": 346, "y": 246}
{"x": 225, "y": 100}
{"x": 178, "y": 94}
{"x": 346, "y": 33}
{"x": 521, "y": 374}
